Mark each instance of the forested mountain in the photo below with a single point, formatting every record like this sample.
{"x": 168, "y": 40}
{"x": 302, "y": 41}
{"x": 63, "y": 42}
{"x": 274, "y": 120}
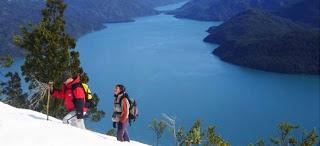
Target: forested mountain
{"x": 109, "y": 10}
{"x": 82, "y": 16}
{"x": 221, "y": 10}
{"x": 12, "y": 15}
{"x": 156, "y": 3}
{"x": 261, "y": 40}
{"x": 253, "y": 23}
{"x": 307, "y": 11}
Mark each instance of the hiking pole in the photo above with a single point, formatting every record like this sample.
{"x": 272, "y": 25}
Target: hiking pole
{"x": 48, "y": 101}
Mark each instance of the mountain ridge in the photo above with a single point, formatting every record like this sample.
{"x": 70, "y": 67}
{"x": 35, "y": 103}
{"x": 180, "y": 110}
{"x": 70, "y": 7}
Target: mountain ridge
{"x": 82, "y": 16}
{"x": 261, "y": 40}
{"x": 222, "y": 10}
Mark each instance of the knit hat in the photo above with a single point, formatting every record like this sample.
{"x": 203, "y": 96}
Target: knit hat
{"x": 66, "y": 76}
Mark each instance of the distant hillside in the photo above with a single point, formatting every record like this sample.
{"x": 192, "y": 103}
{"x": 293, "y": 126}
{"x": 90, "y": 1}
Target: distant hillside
{"x": 260, "y": 40}
{"x": 82, "y": 16}
{"x": 221, "y": 10}
{"x": 307, "y": 11}
{"x": 253, "y": 23}
{"x": 110, "y": 10}
{"x": 12, "y": 15}
{"x": 157, "y": 3}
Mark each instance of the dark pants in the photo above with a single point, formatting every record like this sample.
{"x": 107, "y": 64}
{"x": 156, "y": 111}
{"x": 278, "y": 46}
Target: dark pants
{"x": 122, "y": 133}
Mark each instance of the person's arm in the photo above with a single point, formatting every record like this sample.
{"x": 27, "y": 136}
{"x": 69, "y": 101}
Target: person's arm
{"x": 79, "y": 96}
{"x": 125, "y": 110}
{"x": 58, "y": 93}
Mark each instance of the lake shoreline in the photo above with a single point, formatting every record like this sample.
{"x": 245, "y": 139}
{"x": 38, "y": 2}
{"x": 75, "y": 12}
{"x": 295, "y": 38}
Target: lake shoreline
{"x": 164, "y": 59}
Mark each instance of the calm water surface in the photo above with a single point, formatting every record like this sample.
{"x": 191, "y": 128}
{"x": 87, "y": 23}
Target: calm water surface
{"x": 167, "y": 68}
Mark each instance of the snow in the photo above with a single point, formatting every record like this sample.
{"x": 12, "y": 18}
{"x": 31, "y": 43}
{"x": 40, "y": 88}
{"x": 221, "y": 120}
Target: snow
{"x": 22, "y": 127}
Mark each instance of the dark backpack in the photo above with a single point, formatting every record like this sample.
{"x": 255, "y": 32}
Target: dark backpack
{"x": 90, "y": 102}
{"x": 133, "y": 109}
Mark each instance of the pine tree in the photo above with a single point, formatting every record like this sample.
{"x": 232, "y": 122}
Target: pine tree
{"x": 171, "y": 123}
{"x": 5, "y": 61}
{"x": 195, "y": 134}
{"x": 287, "y": 138}
{"x": 213, "y": 139}
{"x": 158, "y": 129}
{"x": 13, "y": 92}
{"x": 94, "y": 113}
{"x": 181, "y": 136}
{"x": 112, "y": 132}
{"x": 50, "y": 52}
{"x": 47, "y": 45}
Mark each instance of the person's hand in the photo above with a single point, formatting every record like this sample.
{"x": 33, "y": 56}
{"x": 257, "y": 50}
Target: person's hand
{"x": 79, "y": 115}
{"x": 114, "y": 125}
{"x": 50, "y": 86}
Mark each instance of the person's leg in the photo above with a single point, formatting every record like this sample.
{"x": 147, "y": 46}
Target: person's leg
{"x": 120, "y": 132}
{"x": 125, "y": 134}
{"x": 68, "y": 117}
{"x": 80, "y": 122}
{"x": 77, "y": 122}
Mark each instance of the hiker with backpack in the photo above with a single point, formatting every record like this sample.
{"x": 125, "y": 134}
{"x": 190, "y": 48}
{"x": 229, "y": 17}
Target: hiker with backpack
{"x": 125, "y": 110}
{"x": 74, "y": 100}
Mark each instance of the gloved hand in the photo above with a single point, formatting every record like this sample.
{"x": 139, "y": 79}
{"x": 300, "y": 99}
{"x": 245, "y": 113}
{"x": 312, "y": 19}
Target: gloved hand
{"x": 50, "y": 86}
{"x": 79, "y": 115}
{"x": 114, "y": 125}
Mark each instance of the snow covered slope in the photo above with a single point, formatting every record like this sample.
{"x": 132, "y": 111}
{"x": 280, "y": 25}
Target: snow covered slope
{"x": 20, "y": 127}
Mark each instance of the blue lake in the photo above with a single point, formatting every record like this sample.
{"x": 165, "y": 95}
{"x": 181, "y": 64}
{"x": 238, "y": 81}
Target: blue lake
{"x": 167, "y": 68}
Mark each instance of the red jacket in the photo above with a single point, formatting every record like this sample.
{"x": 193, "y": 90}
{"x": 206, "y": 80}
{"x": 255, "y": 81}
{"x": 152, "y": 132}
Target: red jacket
{"x": 66, "y": 94}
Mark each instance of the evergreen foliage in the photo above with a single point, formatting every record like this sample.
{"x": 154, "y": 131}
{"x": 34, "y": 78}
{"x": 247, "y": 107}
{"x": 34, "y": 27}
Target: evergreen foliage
{"x": 13, "y": 92}
{"x": 158, "y": 129}
{"x": 94, "y": 113}
{"x": 112, "y": 132}
{"x": 181, "y": 136}
{"x": 83, "y": 16}
{"x": 194, "y": 137}
{"x": 222, "y": 10}
{"x": 288, "y": 137}
{"x": 5, "y": 61}
{"x": 213, "y": 139}
{"x": 50, "y": 52}
{"x": 261, "y": 40}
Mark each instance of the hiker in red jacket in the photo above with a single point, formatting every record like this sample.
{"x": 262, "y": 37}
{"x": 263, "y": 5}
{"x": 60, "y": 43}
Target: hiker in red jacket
{"x": 120, "y": 117}
{"x": 74, "y": 100}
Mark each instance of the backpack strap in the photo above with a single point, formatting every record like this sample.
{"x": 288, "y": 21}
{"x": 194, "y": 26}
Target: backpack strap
{"x": 76, "y": 85}
{"x": 125, "y": 95}
{"x": 87, "y": 90}
{"x": 78, "y": 103}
